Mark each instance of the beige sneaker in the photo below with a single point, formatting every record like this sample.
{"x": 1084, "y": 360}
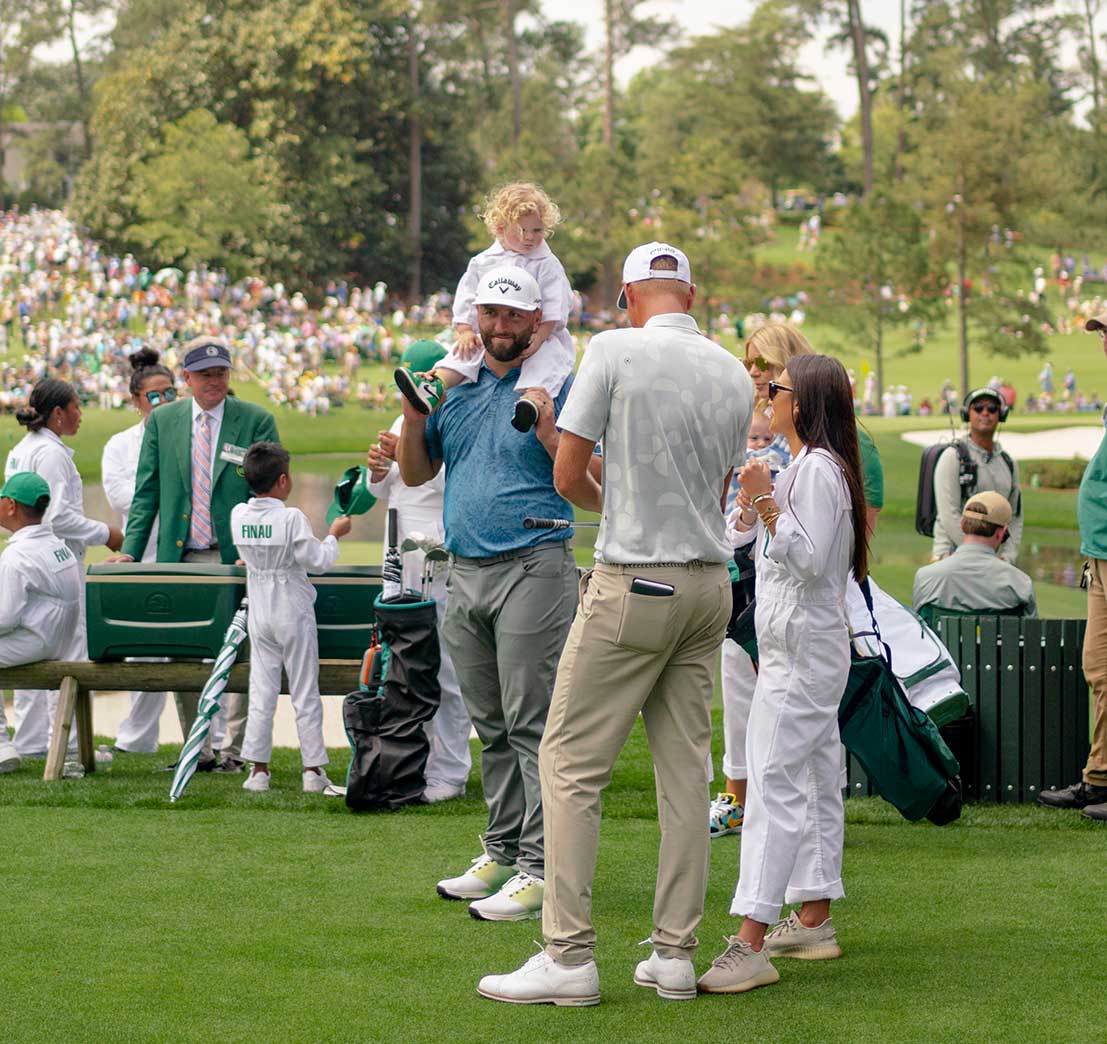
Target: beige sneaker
{"x": 737, "y": 969}
{"x": 791, "y": 938}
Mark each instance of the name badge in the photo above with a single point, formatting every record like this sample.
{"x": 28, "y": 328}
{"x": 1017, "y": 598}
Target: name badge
{"x": 231, "y": 453}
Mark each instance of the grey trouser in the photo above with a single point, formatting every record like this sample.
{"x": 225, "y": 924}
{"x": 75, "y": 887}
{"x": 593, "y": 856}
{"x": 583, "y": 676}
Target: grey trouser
{"x": 506, "y": 621}
{"x": 628, "y": 654}
{"x": 235, "y": 704}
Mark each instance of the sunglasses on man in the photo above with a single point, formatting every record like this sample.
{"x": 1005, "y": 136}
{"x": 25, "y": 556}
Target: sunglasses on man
{"x": 985, "y": 407}
{"x": 154, "y": 397}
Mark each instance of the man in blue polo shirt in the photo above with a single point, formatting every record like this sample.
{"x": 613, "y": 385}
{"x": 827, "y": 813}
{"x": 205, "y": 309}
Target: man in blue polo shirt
{"x": 511, "y": 592}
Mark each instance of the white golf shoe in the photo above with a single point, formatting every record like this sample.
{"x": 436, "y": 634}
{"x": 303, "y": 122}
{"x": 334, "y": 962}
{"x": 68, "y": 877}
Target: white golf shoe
{"x": 673, "y": 977}
{"x": 436, "y": 792}
{"x": 483, "y": 878}
{"x": 520, "y": 899}
{"x": 543, "y": 981}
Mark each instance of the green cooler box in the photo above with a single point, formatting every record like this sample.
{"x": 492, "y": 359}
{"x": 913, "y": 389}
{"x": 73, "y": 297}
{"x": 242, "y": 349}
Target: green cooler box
{"x": 183, "y": 611}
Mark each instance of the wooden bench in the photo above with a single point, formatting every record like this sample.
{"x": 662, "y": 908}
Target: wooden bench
{"x": 76, "y": 681}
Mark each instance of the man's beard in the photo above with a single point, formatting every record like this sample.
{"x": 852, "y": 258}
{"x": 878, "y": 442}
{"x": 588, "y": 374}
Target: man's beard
{"x": 512, "y": 351}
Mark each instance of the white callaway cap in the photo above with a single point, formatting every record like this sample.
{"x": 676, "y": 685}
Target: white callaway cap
{"x": 636, "y": 267}
{"x": 511, "y": 287}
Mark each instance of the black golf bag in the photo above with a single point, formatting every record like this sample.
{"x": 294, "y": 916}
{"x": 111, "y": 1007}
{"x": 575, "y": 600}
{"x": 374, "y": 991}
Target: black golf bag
{"x": 384, "y": 719}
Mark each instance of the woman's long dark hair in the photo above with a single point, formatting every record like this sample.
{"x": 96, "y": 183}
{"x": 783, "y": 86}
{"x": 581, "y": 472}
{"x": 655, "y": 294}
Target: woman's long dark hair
{"x": 46, "y": 396}
{"x": 145, "y": 365}
{"x": 824, "y": 420}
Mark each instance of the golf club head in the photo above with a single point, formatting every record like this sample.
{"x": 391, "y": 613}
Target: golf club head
{"x": 410, "y": 543}
{"x": 437, "y": 554}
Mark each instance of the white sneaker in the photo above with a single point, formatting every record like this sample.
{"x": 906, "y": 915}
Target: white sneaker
{"x": 436, "y": 792}
{"x": 543, "y": 981}
{"x": 258, "y": 782}
{"x": 318, "y": 783}
{"x": 483, "y": 878}
{"x": 9, "y": 756}
{"x": 520, "y": 899}
{"x": 673, "y": 977}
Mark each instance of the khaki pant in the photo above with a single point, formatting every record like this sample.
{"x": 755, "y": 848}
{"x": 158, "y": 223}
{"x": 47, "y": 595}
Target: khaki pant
{"x": 629, "y": 653}
{"x": 1095, "y": 670}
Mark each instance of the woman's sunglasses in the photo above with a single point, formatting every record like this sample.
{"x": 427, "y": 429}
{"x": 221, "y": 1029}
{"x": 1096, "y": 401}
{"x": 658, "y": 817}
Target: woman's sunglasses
{"x": 774, "y": 388}
{"x": 758, "y": 363}
{"x": 166, "y": 395}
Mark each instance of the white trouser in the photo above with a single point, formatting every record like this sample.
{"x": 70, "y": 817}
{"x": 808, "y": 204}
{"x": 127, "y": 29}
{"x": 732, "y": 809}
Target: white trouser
{"x": 794, "y": 819}
{"x": 449, "y": 761}
{"x": 138, "y": 731}
{"x": 547, "y": 368}
{"x": 34, "y": 710}
{"x": 739, "y": 679}
{"x": 278, "y": 636}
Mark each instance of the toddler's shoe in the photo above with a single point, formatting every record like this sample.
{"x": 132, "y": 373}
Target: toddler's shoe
{"x": 525, "y": 416}
{"x": 423, "y": 390}
{"x": 258, "y": 782}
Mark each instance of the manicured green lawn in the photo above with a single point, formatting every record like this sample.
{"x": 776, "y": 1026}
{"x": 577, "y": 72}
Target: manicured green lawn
{"x": 232, "y": 916}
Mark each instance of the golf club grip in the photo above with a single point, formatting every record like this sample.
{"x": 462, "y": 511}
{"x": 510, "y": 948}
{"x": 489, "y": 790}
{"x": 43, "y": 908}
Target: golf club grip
{"x": 546, "y": 523}
{"x": 393, "y": 526}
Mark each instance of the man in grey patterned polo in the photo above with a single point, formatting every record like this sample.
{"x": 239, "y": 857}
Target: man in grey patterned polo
{"x": 672, "y": 410}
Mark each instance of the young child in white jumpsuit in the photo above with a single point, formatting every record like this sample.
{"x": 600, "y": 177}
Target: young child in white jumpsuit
{"x": 53, "y": 411}
{"x": 40, "y": 589}
{"x": 151, "y": 386}
{"x": 520, "y": 216}
{"x": 279, "y": 550}
{"x": 419, "y": 510}
{"x": 807, "y": 533}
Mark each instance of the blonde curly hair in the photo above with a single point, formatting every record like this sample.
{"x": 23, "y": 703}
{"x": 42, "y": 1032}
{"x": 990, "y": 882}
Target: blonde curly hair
{"x": 505, "y": 206}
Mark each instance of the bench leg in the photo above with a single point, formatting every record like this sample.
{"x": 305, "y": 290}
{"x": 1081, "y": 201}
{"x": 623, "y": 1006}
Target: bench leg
{"x": 59, "y": 740}
{"x": 85, "y": 751}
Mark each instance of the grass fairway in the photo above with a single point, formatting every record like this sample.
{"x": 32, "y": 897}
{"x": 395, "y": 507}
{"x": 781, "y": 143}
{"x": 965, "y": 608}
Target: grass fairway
{"x": 278, "y": 918}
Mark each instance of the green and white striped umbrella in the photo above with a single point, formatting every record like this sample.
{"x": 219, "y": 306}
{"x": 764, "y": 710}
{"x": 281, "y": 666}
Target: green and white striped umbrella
{"x": 209, "y": 703}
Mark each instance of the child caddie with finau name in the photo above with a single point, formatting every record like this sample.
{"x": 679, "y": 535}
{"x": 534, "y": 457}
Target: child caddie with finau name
{"x": 279, "y": 550}
{"x": 40, "y": 589}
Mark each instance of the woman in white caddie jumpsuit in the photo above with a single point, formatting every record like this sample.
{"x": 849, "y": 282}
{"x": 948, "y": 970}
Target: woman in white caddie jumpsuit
{"x": 53, "y": 412}
{"x": 151, "y": 385}
{"x": 808, "y": 533}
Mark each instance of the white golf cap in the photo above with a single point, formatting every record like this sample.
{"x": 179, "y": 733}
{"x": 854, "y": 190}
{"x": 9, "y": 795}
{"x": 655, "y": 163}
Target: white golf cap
{"x": 509, "y": 286}
{"x": 636, "y": 267}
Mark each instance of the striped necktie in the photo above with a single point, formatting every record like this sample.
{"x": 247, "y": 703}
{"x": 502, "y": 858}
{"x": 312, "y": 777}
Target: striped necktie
{"x": 200, "y": 531}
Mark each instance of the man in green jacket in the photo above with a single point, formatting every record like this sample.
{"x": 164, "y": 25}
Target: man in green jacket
{"x": 188, "y": 479}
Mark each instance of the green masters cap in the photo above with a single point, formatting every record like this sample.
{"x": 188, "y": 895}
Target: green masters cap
{"x": 25, "y": 487}
{"x": 351, "y": 495}
{"x": 421, "y": 356}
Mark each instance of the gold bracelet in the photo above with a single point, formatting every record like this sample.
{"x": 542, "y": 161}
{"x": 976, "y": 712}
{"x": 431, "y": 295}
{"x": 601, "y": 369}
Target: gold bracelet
{"x": 761, "y": 496}
{"x": 770, "y": 518}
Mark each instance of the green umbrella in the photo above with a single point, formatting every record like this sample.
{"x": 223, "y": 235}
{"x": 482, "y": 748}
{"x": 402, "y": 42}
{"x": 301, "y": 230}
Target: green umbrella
{"x": 209, "y": 703}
